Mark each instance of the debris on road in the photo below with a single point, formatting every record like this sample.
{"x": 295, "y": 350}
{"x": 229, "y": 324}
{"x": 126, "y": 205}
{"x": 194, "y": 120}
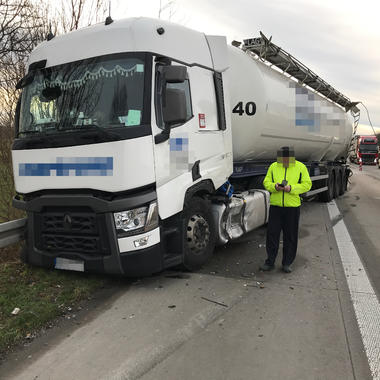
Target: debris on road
{"x": 257, "y": 285}
{"x": 216, "y": 302}
{"x": 172, "y": 306}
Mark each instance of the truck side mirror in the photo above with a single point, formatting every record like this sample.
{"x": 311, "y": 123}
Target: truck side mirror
{"x": 174, "y": 111}
{"x": 175, "y": 74}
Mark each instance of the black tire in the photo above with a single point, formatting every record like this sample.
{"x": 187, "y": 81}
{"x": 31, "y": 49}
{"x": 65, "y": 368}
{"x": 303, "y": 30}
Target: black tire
{"x": 345, "y": 174}
{"x": 336, "y": 183}
{"x": 199, "y": 233}
{"x": 340, "y": 182}
{"x": 328, "y": 195}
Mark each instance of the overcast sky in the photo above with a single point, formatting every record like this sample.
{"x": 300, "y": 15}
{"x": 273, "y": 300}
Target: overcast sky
{"x": 337, "y": 39}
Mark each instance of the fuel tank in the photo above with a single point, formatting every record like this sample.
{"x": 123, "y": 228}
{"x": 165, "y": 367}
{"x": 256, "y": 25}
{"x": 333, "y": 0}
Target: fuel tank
{"x": 270, "y": 110}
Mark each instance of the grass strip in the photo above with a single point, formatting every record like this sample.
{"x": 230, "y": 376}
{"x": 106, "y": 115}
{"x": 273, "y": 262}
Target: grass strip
{"x": 40, "y": 294}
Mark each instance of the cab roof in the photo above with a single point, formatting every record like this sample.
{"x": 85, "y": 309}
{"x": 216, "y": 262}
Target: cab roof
{"x": 130, "y": 35}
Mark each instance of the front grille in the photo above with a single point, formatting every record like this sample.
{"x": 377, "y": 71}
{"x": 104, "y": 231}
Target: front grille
{"x": 368, "y": 158}
{"x": 64, "y": 221}
{"x": 70, "y": 243}
{"x": 71, "y": 229}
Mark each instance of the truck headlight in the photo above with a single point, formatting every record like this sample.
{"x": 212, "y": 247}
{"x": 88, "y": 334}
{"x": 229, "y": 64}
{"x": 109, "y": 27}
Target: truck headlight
{"x": 141, "y": 218}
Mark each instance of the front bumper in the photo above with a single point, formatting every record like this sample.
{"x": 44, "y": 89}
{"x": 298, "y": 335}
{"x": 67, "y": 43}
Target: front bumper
{"x": 91, "y": 236}
{"x": 369, "y": 159}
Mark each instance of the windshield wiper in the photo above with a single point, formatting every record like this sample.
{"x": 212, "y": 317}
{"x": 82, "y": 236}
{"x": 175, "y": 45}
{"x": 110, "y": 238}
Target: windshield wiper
{"x": 44, "y": 126}
{"x": 89, "y": 130}
{"x": 27, "y": 132}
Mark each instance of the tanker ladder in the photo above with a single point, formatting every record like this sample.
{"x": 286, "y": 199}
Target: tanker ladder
{"x": 266, "y": 50}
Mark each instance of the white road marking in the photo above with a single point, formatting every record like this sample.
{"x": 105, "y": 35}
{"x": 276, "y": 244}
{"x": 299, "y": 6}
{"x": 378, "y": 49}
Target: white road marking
{"x": 363, "y": 296}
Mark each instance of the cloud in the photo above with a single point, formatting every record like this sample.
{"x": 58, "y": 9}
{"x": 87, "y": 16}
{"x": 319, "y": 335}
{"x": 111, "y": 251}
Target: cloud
{"x": 332, "y": 38}
{"x": 337, "y": 39}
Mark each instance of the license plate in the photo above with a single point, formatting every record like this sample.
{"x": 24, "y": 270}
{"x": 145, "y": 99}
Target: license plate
{"x": 68, "y": 264}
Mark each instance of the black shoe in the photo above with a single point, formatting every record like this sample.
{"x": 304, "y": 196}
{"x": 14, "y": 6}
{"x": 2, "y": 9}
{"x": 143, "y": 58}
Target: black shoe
{"x": 286, "y": 269}
{"x": 266, "y": 267}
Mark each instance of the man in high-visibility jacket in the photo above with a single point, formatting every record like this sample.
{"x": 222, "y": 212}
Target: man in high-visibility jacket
{"x": 286, "y": 179}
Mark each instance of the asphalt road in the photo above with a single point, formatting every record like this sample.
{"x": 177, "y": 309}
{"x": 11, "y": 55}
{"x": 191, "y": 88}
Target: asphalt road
{"x": 230, "y": 321}
{"x": 361, "y": 209}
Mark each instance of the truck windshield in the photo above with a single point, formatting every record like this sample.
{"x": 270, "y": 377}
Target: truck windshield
{"x": 368, "y": 148}
{"x": 102, "y": 94}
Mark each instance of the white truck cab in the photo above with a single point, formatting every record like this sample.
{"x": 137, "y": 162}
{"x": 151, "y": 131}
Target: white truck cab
{"x": 119, "y": 126}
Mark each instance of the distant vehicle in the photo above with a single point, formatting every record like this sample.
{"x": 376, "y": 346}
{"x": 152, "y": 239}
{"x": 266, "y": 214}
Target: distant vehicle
{"x": 366, "y": 149}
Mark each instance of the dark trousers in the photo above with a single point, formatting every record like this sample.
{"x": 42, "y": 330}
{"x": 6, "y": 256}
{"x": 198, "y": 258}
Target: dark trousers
{"x": 287, "y": 220}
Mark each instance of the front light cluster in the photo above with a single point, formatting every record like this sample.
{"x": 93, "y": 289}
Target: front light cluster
{"x": 145, "y": 218}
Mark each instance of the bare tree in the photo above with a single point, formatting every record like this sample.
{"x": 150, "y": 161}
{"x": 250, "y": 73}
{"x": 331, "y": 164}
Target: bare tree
{"x": 16, "y": 35}
{"x": 78, "y": 13}
{"x": 167, "y": 7}
{"x": 24, "y": 24}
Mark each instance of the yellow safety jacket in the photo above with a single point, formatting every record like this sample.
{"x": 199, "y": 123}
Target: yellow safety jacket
{"x": 298, "y": 178}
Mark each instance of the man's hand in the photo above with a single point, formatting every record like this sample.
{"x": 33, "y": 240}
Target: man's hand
{"x": 278, "y": 187}
{"x": 287, "y": 189}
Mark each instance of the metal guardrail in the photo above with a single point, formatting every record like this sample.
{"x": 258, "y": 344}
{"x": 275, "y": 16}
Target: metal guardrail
{"x": 12, "y": 232}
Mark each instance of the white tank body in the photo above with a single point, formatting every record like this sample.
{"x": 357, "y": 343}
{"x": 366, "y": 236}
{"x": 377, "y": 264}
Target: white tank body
{"x": 287, "y": 114}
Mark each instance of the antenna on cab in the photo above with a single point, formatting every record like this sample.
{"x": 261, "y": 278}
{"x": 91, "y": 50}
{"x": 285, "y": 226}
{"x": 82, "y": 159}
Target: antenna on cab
{"x": 109, "y": 18}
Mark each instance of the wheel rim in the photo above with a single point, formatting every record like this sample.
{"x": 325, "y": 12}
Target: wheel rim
{"x": 198, "y": 233}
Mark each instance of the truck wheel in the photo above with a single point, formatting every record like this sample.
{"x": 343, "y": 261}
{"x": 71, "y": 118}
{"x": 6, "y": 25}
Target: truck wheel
{"x": 328, "y": 195}
{"x": 339, "y": 190}
{"x": 336, "y": 183}
{"x": 199, "y": 234}
{"x": 344, "y": 181}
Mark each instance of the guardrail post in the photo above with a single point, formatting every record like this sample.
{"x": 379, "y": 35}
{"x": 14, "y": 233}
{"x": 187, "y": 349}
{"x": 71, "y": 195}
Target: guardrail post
{"x": 12, "y": 232}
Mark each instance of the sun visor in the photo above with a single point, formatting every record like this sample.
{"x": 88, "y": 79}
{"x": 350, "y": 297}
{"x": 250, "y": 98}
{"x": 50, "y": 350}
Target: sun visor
{"x": 218, "y": 52}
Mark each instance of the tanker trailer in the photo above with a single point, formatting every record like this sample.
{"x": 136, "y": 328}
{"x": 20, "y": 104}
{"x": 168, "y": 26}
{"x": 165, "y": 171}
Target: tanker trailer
{"x": 287, "y": 112}
{"x": 146, "y": 144}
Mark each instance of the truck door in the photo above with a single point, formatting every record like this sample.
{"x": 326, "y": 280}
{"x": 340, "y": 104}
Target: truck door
{"x": 196, "y": 149}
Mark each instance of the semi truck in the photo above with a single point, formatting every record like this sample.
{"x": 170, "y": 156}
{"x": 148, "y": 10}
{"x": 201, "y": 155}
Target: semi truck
{"x": 365, "y": 150}
{"x": 142, "y": 144}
